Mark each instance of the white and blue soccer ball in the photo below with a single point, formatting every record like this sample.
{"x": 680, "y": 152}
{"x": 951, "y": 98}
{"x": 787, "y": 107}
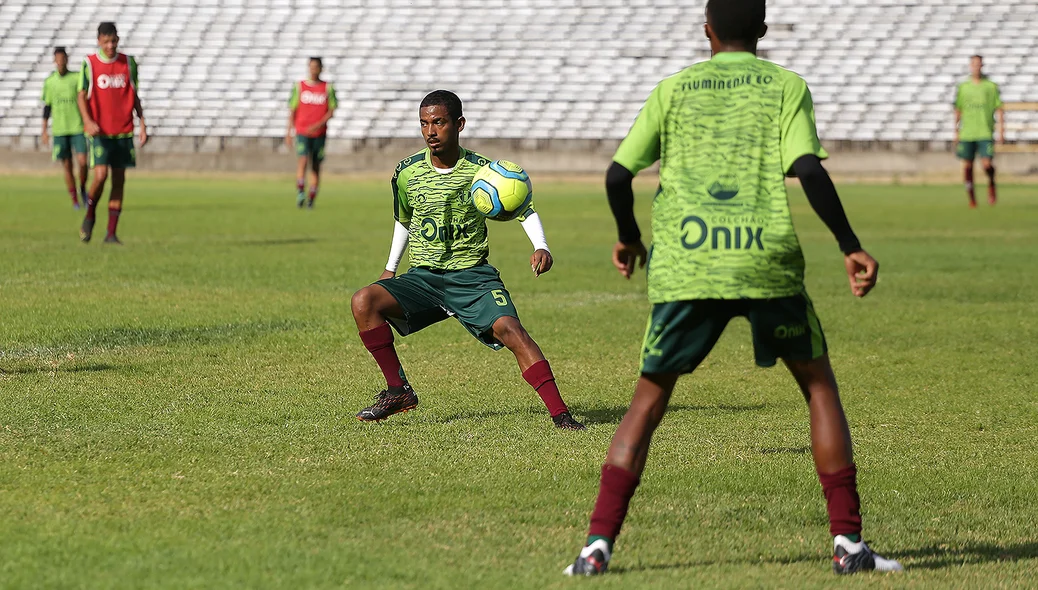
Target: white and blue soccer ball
{"x": 501, "y": 190}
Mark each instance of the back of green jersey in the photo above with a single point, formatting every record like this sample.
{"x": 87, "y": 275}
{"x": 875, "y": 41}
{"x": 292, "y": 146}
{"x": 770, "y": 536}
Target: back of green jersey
{"x": 726, "y": 132}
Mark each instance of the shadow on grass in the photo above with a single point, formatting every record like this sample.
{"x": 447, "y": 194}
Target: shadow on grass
{"x": 483, "y": 415}
{"x": 615, "y": 414}
{"x": 786, "y": 451}
{"x": 931, "y": 557}
{"x": 28, "y": 369}
{"x": 165, "y": 336}
{"x": 278, "y": 242}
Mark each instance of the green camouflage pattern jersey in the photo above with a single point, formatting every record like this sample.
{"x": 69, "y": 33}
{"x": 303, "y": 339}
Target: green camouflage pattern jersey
{"x": 726, "y": 132}
{"x": 60, "y": 93}
{"x": 445, "y": 230}
{"x": 977, "y": 103}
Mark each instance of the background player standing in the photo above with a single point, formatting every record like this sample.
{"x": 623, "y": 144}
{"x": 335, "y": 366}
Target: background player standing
{"x": 449, "y": 274}
{"x": 60, "y": 91}
{"x": 726, "y": 133}
{"x": 108, "y": 99}
{"x": 311, "y": 106}
{"x": 977, "y": 100}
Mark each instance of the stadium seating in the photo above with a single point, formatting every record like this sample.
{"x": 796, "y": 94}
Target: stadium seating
{"x": 540, "y": 69}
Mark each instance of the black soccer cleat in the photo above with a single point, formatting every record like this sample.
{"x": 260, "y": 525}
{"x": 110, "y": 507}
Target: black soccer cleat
{"x": 565, "y": 421}
{"x": 592, "y": 561}
{"x": 113, "y": 240}
{"x": 86, "y": 230}
{"x": 392, "y": 400}
{"x": 850, "y": 557}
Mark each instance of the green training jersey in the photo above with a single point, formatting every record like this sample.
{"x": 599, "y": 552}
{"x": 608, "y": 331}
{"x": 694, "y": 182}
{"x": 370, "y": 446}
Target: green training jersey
{"x": 977, "y": 103}
{"x": 726, "y": 132}
{"x": 59, "y": 93}
{"x": 446, "y": 232}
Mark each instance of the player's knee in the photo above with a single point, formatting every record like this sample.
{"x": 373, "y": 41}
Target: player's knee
{"x": 510, "y": 332}
{"x": 362, "y": 301}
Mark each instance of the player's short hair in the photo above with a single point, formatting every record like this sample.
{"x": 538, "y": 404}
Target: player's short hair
{"x": 736, "y": 20}
{"x": 444, "y": 98}
{"x": 318, "y": 60}
{"x": 106, "y": 29}
{"x": 60, "y": 49}
{"x": 980, "y": 57}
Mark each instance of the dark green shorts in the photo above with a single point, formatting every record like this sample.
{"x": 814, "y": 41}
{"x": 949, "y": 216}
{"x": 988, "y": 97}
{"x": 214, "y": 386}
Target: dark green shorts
{"x": 475, "y": 296}
{"x": 311, "y": 146}
{"x": 968, "y": 150}
{"x": 114, "y": 152}
{"x": 64, "y": 145}
{"x": 682, "y": 333}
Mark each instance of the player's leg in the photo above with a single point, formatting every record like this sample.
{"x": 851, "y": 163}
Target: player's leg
{"x": 409, "y": 302}
{"x": 679, "y": 336}
{"x": 115, "y": 204}
{"x": 80, "y": 150}
{"x": 70, "y": 179}
{"x": 99, "y": 155}
{"x": 987, "y": 162}
{"x": 316, "y": 158}
{"x": 535, "y": 368}
{"x": 302, "y": 157}
{"x": 788, "y": 328}
{"x": 966, "y": 152}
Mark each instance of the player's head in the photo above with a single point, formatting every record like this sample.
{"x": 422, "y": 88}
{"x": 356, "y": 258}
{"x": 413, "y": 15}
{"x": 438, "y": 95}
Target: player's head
{"x": 107, "y": 39}
{"x": 734, "y": 24}
{"x": 316, "y": 66}
{"x": 442, "y": 121}
{"x": 976, "y": 66}
{"x": 61, "y": 58}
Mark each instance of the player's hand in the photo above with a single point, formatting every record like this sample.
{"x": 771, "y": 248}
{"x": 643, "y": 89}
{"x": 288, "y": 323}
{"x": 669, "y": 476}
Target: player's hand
{"x": 627, "y": 256}
{"x": 387, "y": 274}
{"x": 312, "y": 130}
{"x": 92, "y": 128}
{"x": 541, "y": 262}
{"x": 862, "y": 271}
{"x": 45, "y": 138}
{"x": 144, "y": 134}
{"x": 289, "y": 140}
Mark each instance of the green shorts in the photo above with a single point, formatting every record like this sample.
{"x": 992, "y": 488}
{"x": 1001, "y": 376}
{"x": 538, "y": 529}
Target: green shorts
{"x": 114, "y": 152}
{"x": 475, "y": 296}
{"x": 682, "y": 333}
{"x": 312, "y": 147}
{"x": 64, "y": 145}
{"x": 968, "y": 150}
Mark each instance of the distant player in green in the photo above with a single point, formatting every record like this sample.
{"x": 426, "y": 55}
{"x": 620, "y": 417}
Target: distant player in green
{"x": 449, "y": 275}
{"x": 59, "y": 99}
{"x": 977, "y": 100}
{"x": 311, "y": 106}
{"x": 727, "y": 132}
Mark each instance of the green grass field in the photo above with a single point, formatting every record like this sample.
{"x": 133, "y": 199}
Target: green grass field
{"x": 179, "y": 412}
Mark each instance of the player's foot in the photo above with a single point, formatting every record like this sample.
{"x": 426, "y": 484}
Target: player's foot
{"x": 87, "y": 229}
{"x": 565, "y": 421}
{"x": 973, "y": 203}
{"x": 392, "y": 400}
{"x": 850, "y": 557}
{"x": 592, "y": 561}
{"x": 310, "y": 204}
{"x": 300, "y": 199}
{"x": 75, "y": 205}
{"x": 111, "y": 239}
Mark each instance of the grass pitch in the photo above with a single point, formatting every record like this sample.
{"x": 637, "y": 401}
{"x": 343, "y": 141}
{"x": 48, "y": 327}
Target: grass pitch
{"x": 178, "y": 412}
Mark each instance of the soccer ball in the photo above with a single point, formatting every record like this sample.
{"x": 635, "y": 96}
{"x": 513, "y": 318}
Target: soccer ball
{"x": 501, "y": 190}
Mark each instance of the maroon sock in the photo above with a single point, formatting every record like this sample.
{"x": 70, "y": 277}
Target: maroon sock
{"x": 300, "y": 185}
{"x": 614, "y": 496}
{"x": 92, "y": 206}
{"x": 379, "y": 342}
{"x": 540, "y": 377}
{"x": 313, "y": 192}
{"x": 991, "y": 176}
{"x": 113, "y": 221}
{"x": 841, "y": 498}
{"x": 75, "y": 197}
{"x": 969, "y": 183}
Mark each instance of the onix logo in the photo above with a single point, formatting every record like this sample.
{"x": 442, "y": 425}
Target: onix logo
{"x": 784, "y": 332}
{"x": 695, "y": 233}
{"x": 433, "y": 232}
{"x": 307, "y": 97}
{"x": 104, "y": 81}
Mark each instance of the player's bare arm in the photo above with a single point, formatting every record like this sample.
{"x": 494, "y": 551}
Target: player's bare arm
{"x": 137, "y": 108}
{"x": 958, "y": 121}
{"x": 289, "y": 139}
{"x": 629, "y": 251}
{"x": 1001, "y": 125}
{"x": 44, "y": 137}
{"x": 321, "y": 122}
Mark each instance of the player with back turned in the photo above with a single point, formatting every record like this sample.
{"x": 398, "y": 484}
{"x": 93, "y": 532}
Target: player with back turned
{"x": 727, "y": 132}
{"x": 449, "y": 275}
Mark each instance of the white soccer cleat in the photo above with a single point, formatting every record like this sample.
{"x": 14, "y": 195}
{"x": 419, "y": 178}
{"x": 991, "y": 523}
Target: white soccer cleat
{"x": 850, "y": 557}
{"x": 593, "y": 560}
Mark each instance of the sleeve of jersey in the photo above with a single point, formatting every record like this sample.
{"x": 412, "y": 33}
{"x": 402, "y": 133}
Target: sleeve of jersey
{"x": 293, "y": 99}
{"x": 133, "y": 70}
{"x": 84, "y": 77}
{"x": 998, "y": 98}
{"x": 401, "y": 211}
{"x": 641, "y": 148}
{"x": 958, "y": 98}
{"x": 333, "y": 102}
{"x": 43, "y": 96}
{"x": 799, "y": 134}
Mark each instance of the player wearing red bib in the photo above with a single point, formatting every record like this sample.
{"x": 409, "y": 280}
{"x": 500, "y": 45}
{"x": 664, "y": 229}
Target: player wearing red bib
{"x": 107, "y": 100}
{"x": 311, "y": 106}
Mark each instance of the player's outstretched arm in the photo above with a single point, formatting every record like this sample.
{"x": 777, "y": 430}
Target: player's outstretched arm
{"x": 862, "y": 269}
{"x": 629, "y": 251}
{"x": 541, "y": 260}
{"x": 396, "y": 251}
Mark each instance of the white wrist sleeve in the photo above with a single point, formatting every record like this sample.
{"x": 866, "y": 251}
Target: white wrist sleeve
{"x": 535, "y": 231}
{"x": 396, "y": 253}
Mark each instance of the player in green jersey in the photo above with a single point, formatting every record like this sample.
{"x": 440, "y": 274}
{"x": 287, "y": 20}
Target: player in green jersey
{"x": 977, "y": 100}
{"x": 60, "y": 90}
{"x": 449, "y": 274}
{"x": 727, "y": 132}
